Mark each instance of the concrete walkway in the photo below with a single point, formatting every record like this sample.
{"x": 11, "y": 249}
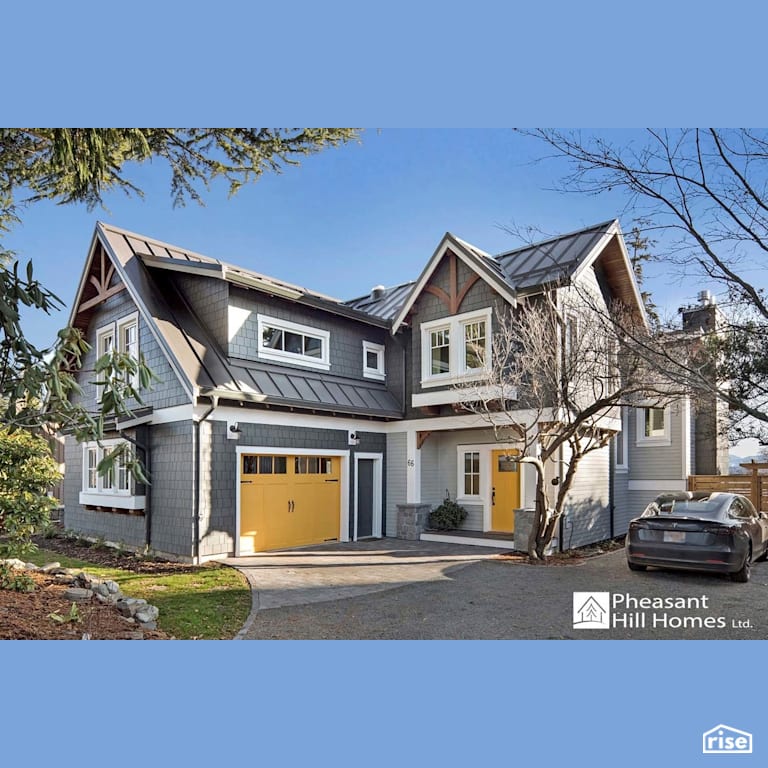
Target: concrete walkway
{"x": 326, "y": 572}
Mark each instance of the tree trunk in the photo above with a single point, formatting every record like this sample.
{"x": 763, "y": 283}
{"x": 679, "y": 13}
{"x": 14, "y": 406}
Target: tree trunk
{"x": 539, "y": 522}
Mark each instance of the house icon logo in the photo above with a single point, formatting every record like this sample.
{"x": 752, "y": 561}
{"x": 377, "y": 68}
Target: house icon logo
{"x": 724, "y": 740}
{"x": 591, "y": 610}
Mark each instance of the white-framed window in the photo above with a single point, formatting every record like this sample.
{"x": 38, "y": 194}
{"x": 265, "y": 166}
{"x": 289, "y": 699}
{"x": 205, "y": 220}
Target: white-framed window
{"x": 373, "y": 361}
{"x": 105, "y": 343}
{"x": 284, "y": 341}
{"x": 621, "y": 444}
{"x": 128, "y": 338}
{"x": 471, "y": 474}
{"x": 114, "y": 488}
{"x": 455, "y": 347}
{"x": 653, "y": 426}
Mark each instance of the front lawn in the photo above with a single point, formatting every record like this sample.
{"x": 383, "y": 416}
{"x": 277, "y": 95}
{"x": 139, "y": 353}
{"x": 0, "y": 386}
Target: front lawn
{"x": 205, "y": 602}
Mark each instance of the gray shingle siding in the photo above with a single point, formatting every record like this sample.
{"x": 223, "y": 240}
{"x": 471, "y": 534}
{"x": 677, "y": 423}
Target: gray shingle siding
{"x": 164, "y": 393}
{"x": 209, "y": 298}
{"x": 219, "y": 471}
{"x": 172, "y": 496}
{"x": 346, "y": 337}
{"x": 110, "y": 526}
{"x": 429, "y": 307}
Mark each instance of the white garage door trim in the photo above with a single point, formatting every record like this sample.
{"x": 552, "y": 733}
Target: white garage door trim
{"x": 272, "y": 451}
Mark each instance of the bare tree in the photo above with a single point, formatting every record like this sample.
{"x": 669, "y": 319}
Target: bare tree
{"x": 705, "y": 192}
{"x": 558, "y": 373}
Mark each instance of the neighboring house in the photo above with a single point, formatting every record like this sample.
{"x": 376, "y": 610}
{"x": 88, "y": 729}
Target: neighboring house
{"x": 659, "y": 448}
{"x": 284, "y": 417}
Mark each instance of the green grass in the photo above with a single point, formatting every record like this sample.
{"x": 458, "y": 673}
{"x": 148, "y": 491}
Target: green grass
{"x": 208, "y": 603}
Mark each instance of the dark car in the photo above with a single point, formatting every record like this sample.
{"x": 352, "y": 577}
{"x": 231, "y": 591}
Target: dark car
{"x": 698, "y": 531}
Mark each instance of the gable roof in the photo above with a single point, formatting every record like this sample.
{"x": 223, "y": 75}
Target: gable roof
{"x": 477, "y": 260}
{"x": 529, "y": 268}
{"x": 145, "y": 266}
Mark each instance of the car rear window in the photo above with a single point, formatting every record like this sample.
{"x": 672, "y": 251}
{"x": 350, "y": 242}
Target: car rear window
{"x": 685, "y": 508}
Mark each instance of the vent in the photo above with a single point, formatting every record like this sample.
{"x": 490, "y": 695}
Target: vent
{"x": 377, "y": 291}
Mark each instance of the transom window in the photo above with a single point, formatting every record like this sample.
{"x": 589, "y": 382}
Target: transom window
{"x": 264, "y": 465}
{"x": 289, "y": 342}
{"x": 313, "y": 465}
{"x": 455, "y": 347}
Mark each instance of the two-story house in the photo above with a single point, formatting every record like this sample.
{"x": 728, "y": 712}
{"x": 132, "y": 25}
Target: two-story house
{"x": 285, "y": 418}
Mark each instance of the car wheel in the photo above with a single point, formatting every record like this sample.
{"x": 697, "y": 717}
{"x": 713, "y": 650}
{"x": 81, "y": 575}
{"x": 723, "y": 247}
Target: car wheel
{"x": 636, "y": 566}
{"x": 742, "y": 575}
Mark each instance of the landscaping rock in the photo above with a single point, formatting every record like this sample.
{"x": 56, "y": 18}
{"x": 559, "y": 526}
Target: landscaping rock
{"x": 59, "y": 572}
{"x": 101, "y": 589}
{"x": 149, "y": 625}
{"x": 147, "y": 613}
{"x": 113, "y": 587}
{"x": 128, "y": 606}
{"x": 64, "y": 578}
{"x": 31, "y": 567}
{"x": 15, "y": 563}
{"x": 137, "y": 635}
{"x": 78, "y": 595}
{"x": 48, "y": 567}
{"x": 105, "y": 599}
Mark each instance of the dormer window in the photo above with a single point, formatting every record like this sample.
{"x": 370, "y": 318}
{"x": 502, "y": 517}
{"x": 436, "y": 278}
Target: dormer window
{"x": 287, "y": 342}
{"x": 455, "y": 348}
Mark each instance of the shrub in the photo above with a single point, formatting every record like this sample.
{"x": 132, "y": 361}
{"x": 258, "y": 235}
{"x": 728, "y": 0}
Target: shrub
{"x": 27, "y": 471}
{"x": 447, "y": 516}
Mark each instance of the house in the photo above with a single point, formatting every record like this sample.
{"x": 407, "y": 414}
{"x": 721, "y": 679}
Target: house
{"x": 284, "y": 417}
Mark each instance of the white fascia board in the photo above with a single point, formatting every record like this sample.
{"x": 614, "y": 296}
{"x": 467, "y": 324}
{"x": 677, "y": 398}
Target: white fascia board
{"x": 459, "y": 249}
{"x": 446, "y": 396}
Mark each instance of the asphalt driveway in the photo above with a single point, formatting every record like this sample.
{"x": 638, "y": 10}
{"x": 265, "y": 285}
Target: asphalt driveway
{"x": 391, "y": 589}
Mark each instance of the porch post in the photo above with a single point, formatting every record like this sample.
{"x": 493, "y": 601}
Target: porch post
{"x": 413, "y": 468}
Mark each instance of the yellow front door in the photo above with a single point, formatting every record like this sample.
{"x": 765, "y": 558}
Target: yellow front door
{"x": 288, "y": 501}
{"x": 505, "y": 491}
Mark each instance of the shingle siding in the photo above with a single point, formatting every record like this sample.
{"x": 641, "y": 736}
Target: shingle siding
{"x": 395, "y": 478}
{"x": 346, "y": 337}
{"x": 164, "y": 393}
{"x": 209, "y": 298}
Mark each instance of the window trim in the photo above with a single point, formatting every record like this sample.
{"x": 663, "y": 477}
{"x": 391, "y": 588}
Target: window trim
{"x": 622, "y": 437}
{"x": 641, "y": 439}
{"x": 379, "y": 373}
{"x": 107, "y": 497}
{"x": 103, "y": 331}
{"x": 265, "y": 353}
{"x": 478, "y": 497}
{"x": 456, "y": 326}
{"x": 120, "y": 325}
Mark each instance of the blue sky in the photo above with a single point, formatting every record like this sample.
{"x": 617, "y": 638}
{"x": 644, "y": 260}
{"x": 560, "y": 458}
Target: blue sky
{"x": 346, "y": 219}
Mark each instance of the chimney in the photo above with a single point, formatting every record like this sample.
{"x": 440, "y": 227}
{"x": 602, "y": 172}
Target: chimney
{"x": 702, "y": 317}
{"x": 377, "y": 291}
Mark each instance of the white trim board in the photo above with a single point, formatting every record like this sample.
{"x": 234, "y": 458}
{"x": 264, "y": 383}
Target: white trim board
{"x": 378, "y": 474}
{"x": 271, "y": 450}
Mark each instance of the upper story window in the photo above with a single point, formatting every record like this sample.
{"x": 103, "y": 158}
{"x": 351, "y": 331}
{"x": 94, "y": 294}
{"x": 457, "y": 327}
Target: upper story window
{"x": 285, "y": 341}
{"x": 373, "y": 361}
{"x": 122, "y": 335}
{"x": 455, "y": 347}
{"x": 113, "y": 488}
{"x": 653, "y": 426}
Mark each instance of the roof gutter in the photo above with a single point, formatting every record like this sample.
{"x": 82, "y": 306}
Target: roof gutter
{"x": 196, "y": 482}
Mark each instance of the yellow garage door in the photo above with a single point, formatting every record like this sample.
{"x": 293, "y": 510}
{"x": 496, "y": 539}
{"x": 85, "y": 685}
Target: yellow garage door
{"x": 288, "y": 501}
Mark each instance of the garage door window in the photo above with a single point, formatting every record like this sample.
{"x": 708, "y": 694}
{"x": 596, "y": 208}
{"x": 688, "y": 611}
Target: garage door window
{"x": 312, "y": 465}
{"x": 264, "y": 465}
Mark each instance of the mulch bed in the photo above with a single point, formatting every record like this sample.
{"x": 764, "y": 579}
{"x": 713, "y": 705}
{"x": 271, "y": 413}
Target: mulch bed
{"x": 26, "y": 616}
{"x": 566, "y": 558}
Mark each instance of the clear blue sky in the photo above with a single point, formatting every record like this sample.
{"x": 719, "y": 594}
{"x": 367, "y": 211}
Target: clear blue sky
{"x": 346, "y": 219}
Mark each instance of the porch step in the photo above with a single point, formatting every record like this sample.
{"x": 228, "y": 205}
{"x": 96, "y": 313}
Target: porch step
{"x": 472, "y": 541}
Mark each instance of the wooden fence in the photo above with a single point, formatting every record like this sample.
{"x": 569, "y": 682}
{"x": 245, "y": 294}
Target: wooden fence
{"x": 753, "y": 486}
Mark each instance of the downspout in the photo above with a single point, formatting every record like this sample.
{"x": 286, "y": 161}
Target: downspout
{"x": 612, "y": 481}
{"x": 196, "y": 481}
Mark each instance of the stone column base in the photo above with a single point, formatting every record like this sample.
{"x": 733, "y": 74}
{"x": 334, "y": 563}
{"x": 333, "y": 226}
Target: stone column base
{"x": 412, "y": 520}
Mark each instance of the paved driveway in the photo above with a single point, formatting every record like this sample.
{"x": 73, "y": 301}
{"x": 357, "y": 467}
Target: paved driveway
{"x": 392, "y": 589}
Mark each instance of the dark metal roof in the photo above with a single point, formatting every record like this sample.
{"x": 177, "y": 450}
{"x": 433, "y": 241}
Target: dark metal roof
{"x": 385, "y": 306}
{"x": 210, "y": 372}
{"x": 547, "y": 261}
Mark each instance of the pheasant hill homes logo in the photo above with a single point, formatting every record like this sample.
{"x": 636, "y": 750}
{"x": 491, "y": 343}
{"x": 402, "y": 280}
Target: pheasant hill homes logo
{"x": 724, "y": 740}
{"x": 591, "y": 610}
